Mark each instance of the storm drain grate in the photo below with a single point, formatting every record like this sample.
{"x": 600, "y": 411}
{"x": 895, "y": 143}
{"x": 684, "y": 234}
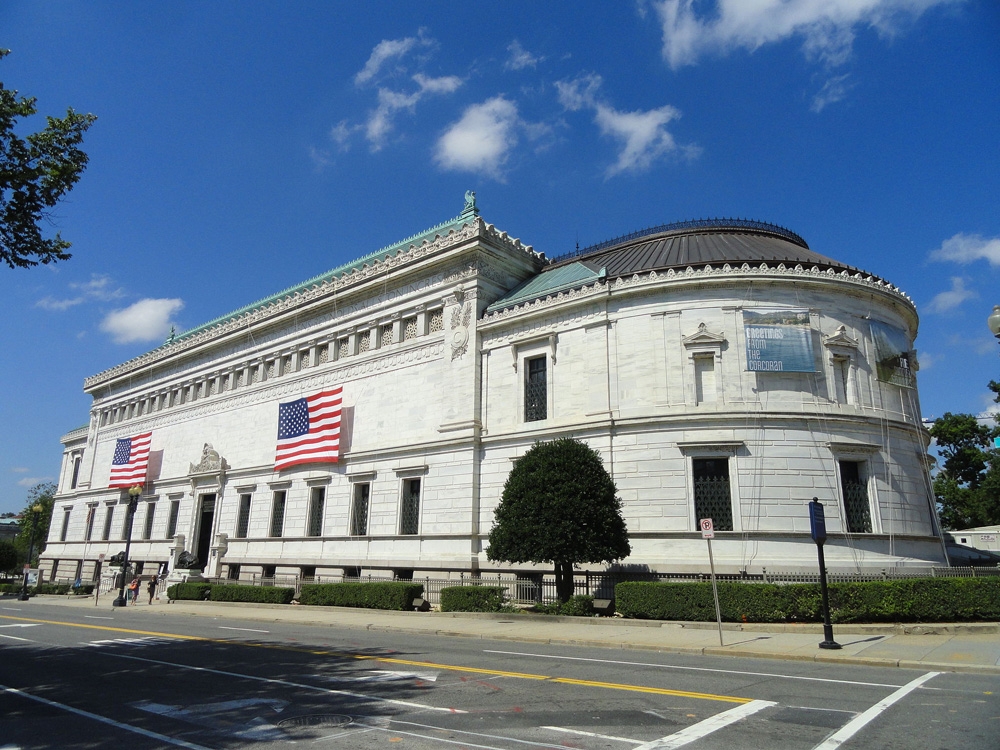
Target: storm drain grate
{"x": 316, "y": 720}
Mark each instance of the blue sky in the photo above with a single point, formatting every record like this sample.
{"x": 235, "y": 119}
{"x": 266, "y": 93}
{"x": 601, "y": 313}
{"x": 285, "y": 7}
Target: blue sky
{"x": 242, "y": 147}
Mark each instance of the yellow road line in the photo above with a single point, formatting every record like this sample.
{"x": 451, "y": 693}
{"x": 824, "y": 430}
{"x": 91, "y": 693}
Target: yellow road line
{"x": 403, "y": 662}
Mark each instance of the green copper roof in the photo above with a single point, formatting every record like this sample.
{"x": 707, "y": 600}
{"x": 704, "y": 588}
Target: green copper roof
{"x": 551, "y": 281}
{"x": 466, "y": 216}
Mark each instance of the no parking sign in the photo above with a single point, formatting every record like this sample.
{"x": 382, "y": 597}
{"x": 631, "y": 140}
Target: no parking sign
{"x": 707, "y": 529}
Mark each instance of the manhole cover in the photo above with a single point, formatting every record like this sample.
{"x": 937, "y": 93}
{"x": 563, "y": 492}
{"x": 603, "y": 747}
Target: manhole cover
{"x": 316, "y": 720}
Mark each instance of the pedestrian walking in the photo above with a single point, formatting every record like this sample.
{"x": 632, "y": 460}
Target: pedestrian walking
{"x": 133, "y": 589}
{"x": 151, "y": 587}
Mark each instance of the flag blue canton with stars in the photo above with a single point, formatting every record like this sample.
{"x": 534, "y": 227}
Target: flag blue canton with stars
{"x": 293, "y": 419}
{"x": 123, "y": 450}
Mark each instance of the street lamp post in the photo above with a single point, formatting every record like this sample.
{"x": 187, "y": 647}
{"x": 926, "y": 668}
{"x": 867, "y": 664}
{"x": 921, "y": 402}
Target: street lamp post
{"x": 36, "y": 511}
{"x": 994, "y": 322}
{"x": 133, "y": 503}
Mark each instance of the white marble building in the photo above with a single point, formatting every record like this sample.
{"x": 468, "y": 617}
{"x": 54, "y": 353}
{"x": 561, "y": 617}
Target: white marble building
{"x": 459, "y": 347}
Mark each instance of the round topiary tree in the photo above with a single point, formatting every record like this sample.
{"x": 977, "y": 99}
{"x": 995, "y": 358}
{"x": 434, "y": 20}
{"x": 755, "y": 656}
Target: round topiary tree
{"x": 559, "y": 506}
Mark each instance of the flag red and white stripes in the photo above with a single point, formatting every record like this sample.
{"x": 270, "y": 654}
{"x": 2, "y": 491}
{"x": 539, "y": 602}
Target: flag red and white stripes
{"x": 128, "y": 467}
{"x": 309, "y": 430}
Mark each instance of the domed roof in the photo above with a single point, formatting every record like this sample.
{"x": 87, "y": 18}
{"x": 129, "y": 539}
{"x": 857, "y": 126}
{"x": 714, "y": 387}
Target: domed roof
{"x": 714, "y": 242}
{"x": 697, "y": 243}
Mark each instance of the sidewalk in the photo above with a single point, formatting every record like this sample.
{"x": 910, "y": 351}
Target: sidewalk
{"x": 948, "y": 647}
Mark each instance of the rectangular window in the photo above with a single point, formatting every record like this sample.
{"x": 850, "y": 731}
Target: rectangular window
{"x": 88, "y": 534}
{"x": 409, "y": 522}
{"x": 243, "y": 517}
{"x": 704, "y": 380}
{"x": 712, "y": 498}
{"x": 857, "y": 510}
{"x": 175, "y": 506}
{"x": 535, "y": 390}
{"x": 840, "y": 375}
{"x": 109, "y": 516}
{"x": 65, "y": 525}
{"x": 147, "y": 528}
{"x": 316, "y": 502}
{"x": 234, "y": 572}
{"x": 77, "y": 460}
{"x": 268, "y": 571}
{"x": 278, "y": 513}
{"x": 359, "y": 511}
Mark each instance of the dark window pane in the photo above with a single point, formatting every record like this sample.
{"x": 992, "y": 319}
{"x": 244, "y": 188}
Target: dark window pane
{"x": 410, "y": 517}
{"x": 278, "y": 514}
{"x": 243, "y": 518}
{"x": 712, "y": 498}
{"x": 359, "y": 516}
{"x": 857, "y": 510}
{"x": 535, "y": 390}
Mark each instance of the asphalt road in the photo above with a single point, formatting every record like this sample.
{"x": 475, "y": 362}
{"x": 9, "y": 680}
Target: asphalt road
{"x": 114, "y": 679}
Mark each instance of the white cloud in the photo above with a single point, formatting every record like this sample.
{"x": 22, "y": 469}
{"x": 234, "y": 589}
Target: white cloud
{"x": 20, "y": 469}
{"x": 383, "y": 52}
{"x": 380, "y": 122}
{"x": 32, "y": 481}
{"x": 146, "y": 320}
{"x": 642, "y": 134}
{"x": 952, "y": 298}
{"x": 482, "y": 139}
{"x": 100, "y": 288}
{"x": 827, "y": 27}
{"x": 968, "y": 248}
{"x": 834, "y": 90}
{"x": 520, "y": 57}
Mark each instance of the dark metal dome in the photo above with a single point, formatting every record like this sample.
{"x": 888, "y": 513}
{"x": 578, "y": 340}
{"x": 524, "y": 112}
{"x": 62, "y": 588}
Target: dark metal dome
{"x": 699, "y": 243}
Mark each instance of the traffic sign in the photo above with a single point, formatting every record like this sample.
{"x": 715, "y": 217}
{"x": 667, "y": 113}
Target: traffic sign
{"x": 707, "y": 529}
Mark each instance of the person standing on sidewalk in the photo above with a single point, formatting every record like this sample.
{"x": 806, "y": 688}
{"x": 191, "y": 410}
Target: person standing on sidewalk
{"x": 151, "y": 587}
{"x": 133, "y": 589}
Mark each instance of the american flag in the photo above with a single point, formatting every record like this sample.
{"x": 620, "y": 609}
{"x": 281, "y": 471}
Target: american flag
{"x": 309, "y": 430}
{"x": 128, "y": 467}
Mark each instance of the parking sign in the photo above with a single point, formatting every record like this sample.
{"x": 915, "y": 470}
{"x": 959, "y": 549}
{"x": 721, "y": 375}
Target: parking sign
{"x": 707, "y": 529}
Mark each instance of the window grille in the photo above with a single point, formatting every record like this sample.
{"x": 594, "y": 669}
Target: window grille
{"x": 857, "y": 509}
{"x": 712, "y": 497}
{"x": 535, "y": 390}
{"x": 243, "y": 518}
{"x": 109, "y": 515}
{"x": 175, "y": 506}
{"x": 359, "y": 516}
{"x": 344, "y": 348}
{"x": 436, "y": 322}
{"x": 364, "y": 342}
{"x": 278, "y": 513}
{"x": 91, "y": 514}
{"x": 324, "y": 353}
{"x": 386, "y": 335}
{"x": 286, "y": 365}
{"x": 316, "y": 512}
{"x": 409, "y": 329}
{"x": 409, "y": 522}
{"x": 147, "y": 529}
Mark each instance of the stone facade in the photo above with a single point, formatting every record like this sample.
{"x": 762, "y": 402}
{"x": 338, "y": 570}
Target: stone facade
{"x": 436, "y": 369}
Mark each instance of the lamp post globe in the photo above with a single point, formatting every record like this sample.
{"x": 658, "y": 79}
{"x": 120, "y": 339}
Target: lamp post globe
{"x": 994, "y": 321}
{"x": 36, "y": 511}
{"x": 133, "y": 503}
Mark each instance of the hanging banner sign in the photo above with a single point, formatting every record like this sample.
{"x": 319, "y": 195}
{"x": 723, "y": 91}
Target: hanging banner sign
{"x": 893, "y": 356}
{"x": 778, "y": 341}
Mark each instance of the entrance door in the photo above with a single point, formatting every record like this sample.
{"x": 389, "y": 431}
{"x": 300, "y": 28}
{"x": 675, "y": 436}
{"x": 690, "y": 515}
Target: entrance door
{"x": 205, "y": 529}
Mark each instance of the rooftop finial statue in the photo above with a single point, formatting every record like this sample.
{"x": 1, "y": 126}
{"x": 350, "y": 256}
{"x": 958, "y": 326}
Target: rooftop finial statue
{"x": 470, "y": 202}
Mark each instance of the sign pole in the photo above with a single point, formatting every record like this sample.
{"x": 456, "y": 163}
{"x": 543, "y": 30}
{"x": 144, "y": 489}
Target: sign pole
{"x": 707, "y": 533}
{"x": 817, "y": 529}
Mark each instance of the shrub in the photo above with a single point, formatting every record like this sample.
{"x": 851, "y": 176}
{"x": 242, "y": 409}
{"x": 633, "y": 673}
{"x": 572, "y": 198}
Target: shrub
{"x": 265, "y": 594}
{"x": 188, "y": 591}
{"x": 579, "y": 605}
{"x": 398, "y": 595}
{"x": 84, "y": 589}
{"x": 473, "y": 599}
{"x": 52, "y": 588}
{"x": 907, "y": 600}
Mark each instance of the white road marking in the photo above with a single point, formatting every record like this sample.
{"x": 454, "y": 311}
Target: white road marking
{"x": 473, "y": 734}
{"x": 288, "y": 683}
{"x": 384, "y": 675}
{"x": 706, "y": 727}
{"x": 95, "y": 617}
{"x": 104, "y": 719}
{"x": 22, "y": 625}
{"x": 856, "y": 724}
{"x": 248, "y": 630}
{"x": 12, "y": 609}
{"x": 592, "y": 734}
{"x": 692, "y": 669}
{"x": 214, "y": 716}
{"x": 15, "y": 638}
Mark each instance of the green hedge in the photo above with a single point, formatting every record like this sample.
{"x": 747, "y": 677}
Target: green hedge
{"x": 473, "y": 599}
{"x": 579, "y": 605}
{"x": 265, "y": 594}
{"x": 909, "y": 600}
{"x": 11, "y": 588}
{"x": 397, "y": 595}
{"x": 195, "y": 591}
